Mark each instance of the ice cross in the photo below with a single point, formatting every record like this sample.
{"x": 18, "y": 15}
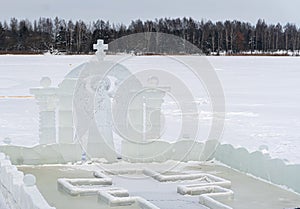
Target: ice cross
{"x": 100, "y": 47}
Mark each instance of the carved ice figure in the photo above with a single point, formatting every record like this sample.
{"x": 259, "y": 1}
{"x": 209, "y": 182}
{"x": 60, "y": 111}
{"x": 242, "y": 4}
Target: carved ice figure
{"x": 134, "y": 114}
{"x": 91, "y": 100}
{"x": 102, "y": 97}
{"x": 103, "y": 112}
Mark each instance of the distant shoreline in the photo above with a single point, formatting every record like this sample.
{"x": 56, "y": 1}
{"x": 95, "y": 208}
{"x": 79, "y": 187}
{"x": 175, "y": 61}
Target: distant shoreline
{"x": 227, "y": 37}
{"x": 210, "y": 55}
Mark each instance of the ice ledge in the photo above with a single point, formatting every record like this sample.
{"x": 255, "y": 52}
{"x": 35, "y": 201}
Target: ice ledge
{"x": 43, "y": 154}
{"x": 260, "y": 165}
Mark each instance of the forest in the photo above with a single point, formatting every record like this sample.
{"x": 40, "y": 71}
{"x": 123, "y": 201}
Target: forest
{"x": 77, "y": 37}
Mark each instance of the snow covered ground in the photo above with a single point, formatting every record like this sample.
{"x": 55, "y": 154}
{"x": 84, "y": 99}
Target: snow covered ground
{"x": 262, "y": 99}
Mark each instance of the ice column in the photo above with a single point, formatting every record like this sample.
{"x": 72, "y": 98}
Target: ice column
{"x": 46, "y": 100}
{"x": 145, "y": 115}
{"x": 153, "y": 103}
{"x": 65, "y": 111}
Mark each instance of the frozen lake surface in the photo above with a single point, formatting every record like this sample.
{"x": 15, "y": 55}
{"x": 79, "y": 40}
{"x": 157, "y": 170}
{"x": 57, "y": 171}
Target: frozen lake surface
{"x": 262, "y": 99}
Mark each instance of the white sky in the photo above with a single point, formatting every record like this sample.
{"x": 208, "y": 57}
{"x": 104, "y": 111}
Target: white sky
{"x": 123, "y": 11}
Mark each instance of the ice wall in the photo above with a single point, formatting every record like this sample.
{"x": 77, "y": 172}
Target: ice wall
{"x": 19, "y": 191}
{"x": 260, "y": 165}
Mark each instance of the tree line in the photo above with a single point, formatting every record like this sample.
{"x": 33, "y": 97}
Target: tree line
{"x": 77, "y": 37}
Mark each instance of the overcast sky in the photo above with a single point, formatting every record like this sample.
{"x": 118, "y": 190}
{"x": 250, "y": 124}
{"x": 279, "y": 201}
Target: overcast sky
{"x": 123, "y": 11}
